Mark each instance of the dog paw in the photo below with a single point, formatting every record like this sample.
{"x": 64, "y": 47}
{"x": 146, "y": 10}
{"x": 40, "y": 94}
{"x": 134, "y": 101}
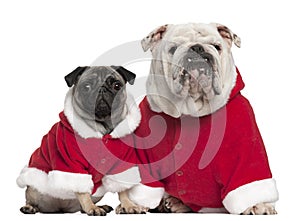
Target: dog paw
{"x": 175, "y": 205}
{"x": 107, "y": 208}
{"x": 161, "y": 208}
{"x": 260, "y": 209}
{"x": 132, "y": 209}
{"x": 29, "y": 209}
{"x": 99, "y": 210}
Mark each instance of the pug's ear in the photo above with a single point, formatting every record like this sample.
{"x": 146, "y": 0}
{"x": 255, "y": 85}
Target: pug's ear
{"x": 155, "y": 36}
{"x": 126, "y": 74}
{"x": 228, "y": 35}
{"x": 73, "y": 77}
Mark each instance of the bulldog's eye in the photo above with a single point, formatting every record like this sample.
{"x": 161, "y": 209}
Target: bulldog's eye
{"x": 172, "y": 50}
{"x": 117, "y": 85}
{"x": 218, "y": 47}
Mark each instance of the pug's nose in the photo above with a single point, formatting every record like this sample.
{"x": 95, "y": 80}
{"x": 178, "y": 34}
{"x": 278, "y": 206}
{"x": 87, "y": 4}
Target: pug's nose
{"x": 102, "y": 90}
{"x": 197, "y": 48}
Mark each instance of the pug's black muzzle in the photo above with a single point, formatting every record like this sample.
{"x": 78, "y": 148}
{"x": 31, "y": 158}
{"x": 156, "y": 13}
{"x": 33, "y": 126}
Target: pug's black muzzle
{"x": 102, "y": 108}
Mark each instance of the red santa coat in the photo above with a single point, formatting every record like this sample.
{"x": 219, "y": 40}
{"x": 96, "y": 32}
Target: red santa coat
{"x": 71, "y": 161}
{"x": 214, "y": 161}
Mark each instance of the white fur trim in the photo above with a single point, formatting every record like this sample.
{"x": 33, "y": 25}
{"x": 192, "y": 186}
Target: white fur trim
{"x": 57, "y": 183}
{"x": 33, "y": 177}
{"x": 125, "y": 127}
{"x": 130, "y": 176}
{"x": 101, "y": 191}
{"x": 243, "y": 197}
{"x": 75, "y": 182}
{"x": 132, "y": 120}
{"x": 119, "y": 182}
{"x": 146, "y": 196}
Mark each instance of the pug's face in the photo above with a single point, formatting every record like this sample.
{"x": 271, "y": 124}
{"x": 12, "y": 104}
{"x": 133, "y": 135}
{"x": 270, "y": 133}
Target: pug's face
{"x": 97, "y": 89}
{"x": 99, "y": 92}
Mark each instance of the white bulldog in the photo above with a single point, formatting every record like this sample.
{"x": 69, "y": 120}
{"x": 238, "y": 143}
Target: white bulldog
{"x": 193, "y": 73}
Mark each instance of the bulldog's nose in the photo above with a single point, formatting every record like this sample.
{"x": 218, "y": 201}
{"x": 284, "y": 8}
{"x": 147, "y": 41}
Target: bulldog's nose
{"x": 197, "y": 48}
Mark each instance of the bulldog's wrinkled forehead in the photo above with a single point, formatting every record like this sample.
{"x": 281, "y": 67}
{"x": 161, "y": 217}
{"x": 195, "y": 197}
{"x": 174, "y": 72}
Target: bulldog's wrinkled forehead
{"x": 192, "y": 32}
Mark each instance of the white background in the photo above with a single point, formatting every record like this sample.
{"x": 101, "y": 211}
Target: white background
{"x": 42, "y": 41}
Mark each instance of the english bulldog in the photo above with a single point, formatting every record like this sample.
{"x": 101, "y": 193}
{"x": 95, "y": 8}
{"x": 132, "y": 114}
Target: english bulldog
{"x": 212, "y": 157}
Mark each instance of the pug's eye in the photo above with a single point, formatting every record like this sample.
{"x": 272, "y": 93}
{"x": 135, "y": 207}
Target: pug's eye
{"x": 86, "y": 87}
{"x": 117, "y": 85}
{"x": 172, "y": 50}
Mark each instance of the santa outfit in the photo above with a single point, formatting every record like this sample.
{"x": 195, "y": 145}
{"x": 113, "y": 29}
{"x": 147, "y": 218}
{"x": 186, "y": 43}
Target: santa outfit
{"x": 75, "y": 158}
{"x": 209, "y": 162}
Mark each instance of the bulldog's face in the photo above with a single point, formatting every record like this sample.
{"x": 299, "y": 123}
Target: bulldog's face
{"x": 194, "y": 58}
{"x": 191, "y": 56}
{"x": 99, "y": 92}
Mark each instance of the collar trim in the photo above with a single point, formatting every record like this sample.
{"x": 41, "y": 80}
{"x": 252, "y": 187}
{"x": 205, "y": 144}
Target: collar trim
{"x": 125, "y": 127}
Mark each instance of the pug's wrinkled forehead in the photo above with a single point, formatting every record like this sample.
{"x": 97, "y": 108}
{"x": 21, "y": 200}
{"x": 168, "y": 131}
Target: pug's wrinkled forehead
{"x": 100, "y": 74}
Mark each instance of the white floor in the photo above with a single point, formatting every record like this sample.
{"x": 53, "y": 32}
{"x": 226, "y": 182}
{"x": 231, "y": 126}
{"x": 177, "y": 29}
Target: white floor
{"x": 111, "y": 199}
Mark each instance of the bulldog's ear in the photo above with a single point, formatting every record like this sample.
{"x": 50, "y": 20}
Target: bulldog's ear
{"x": 73, "y": 77}
{"x": 155, "y": 36}
{"x": 126, "y": 74}
{"x": 228, "y": 35}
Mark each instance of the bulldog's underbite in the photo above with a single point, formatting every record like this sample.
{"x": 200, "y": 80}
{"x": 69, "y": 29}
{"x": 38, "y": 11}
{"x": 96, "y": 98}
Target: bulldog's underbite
{"x": 89, "y": 152}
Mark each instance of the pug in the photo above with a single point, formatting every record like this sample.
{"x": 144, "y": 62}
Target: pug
{"x": 90, "y": 151}
{"x": 195, "y": 87}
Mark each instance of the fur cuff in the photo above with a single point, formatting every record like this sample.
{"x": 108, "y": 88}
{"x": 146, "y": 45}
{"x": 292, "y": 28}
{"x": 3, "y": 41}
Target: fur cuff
{"x": 57, "y": 183}
{"x": 119, "y": 182}
{"x": 74, "y": 182}
{"x": 243, "y": 197}
{"x": 146, "y": 196}
{"x": 33, "y": 177}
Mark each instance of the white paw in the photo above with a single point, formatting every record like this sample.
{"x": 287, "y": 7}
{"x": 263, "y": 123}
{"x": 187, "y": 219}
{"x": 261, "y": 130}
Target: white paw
{"x": 260, "y": 209}
{"x": 96, "y": 211}
{"x": 131, "y": 209}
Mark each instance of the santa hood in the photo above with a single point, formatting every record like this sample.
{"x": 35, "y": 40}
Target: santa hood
{"x": 239, "y": 85}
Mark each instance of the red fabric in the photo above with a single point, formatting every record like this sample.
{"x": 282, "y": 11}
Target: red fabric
{"x": 200, "y": 160}
{"x": 62, "y": 149}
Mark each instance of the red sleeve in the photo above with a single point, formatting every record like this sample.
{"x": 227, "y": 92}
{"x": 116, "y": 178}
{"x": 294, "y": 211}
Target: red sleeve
{"x": 150, "y": 175}
{"x": 148, "y": 178}
{"x": 59, "y": 151}
{"x": 243, "y": 159}
{"x": 64, "y": 151}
